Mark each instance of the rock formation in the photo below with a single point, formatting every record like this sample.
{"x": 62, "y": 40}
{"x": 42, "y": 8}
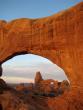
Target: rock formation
{"x": 65, "y": 85}
{"x": 20, "y": 87}
{"x": 58, "y": 38}
{"x": 49, "y": 86}
{"x": 2, "y": 83}
{"x": 11, "y": 101}
{"x": 30, "y": 87}
{"x": 3, "y": 86}
{"x": 45, "y": 86}
{"x": 38, "y": 77}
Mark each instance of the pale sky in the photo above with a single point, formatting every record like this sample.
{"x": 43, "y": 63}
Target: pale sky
{"x": 23, "y": 68}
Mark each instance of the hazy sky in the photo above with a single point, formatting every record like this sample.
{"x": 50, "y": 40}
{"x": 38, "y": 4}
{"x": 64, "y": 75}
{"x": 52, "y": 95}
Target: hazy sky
{"x": 23, "y": 68}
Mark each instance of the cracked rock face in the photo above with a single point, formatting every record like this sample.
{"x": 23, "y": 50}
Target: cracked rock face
{"x": 58, "y": 38}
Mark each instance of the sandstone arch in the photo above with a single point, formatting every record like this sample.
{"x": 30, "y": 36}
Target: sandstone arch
{"x": 58, "y": 38}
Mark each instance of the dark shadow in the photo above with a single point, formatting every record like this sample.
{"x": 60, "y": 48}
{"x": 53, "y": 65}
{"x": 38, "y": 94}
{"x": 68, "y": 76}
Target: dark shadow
{"x": 1, "y": 108}
{"x": 12, "y": 55}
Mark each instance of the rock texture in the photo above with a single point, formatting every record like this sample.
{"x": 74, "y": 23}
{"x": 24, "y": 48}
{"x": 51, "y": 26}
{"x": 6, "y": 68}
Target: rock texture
{"x": 45, "y": 86}
{"x": 2, "y": 83}
{"x": 58, "y": 38}
{"x": 20, "y": 87}
{"x": 11, "y": 101}
{"x": 49, "y": 86}
{"x": 38, "y": 77}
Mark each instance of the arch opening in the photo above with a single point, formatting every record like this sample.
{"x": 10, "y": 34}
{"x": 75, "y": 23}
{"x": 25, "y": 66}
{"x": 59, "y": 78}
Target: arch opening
{"x": 24, "y": 65}
{"x": 37, "y": 73}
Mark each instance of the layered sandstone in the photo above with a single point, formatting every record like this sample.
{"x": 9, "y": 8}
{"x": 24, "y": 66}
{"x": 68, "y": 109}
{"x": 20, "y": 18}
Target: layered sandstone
{"x": 58, "y": 37}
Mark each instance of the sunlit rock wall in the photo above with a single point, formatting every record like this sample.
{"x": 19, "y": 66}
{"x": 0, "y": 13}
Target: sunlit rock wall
{"x": 58, "y": 37}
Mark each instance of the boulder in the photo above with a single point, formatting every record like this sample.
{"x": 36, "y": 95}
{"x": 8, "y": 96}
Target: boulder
{"x": 3, "y": 86}
{"x": 2, "y": 83}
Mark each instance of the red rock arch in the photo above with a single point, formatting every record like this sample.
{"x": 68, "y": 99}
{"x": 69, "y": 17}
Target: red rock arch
{"x": 58, "y": 38}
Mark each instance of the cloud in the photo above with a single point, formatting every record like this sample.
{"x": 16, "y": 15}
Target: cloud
{"x": 48, "y": 71}
{"x": 14, "y": 79}
{"x": 26, "y": 66}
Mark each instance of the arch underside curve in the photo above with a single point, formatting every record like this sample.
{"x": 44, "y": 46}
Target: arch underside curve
{"x": 58, "y": 38}
{"x": 62, "y": 58}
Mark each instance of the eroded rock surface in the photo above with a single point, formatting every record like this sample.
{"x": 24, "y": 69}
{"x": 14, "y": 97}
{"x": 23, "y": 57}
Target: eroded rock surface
{"x": 38, "y": 78}
{"x": 50, "y": 87}
{"x": 58, "y": 38}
